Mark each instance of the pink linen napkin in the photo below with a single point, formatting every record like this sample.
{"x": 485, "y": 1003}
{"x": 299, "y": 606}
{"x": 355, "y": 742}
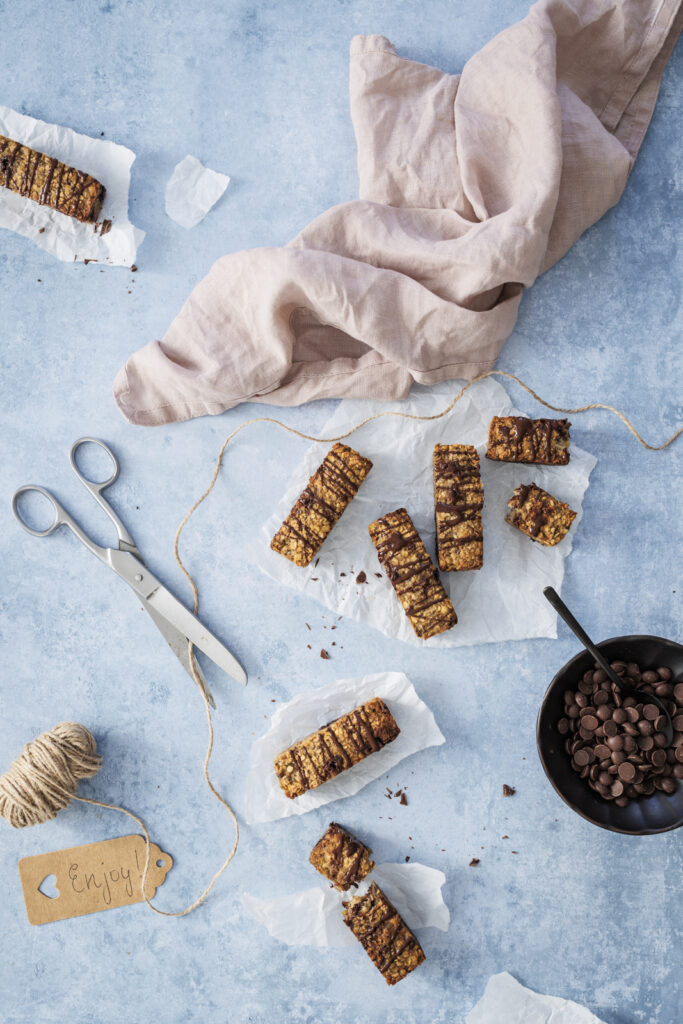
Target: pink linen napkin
{"x": 471, "y": 186}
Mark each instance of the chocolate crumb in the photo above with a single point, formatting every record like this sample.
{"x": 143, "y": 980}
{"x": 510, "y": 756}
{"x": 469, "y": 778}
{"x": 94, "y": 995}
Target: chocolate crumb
{"x": 473, "y": 863}
{"x": 307, "y": 627}
{"x": 133, "y": 268}
{"x": 513, "y": 851}
{"x": 315, "y": 578}
{"x": 342, "y": 574}
{"x": 404, "y": 800}
{"x": 361, "y": 577}
{"x": 378, "y": 575}
{"x": 41, "y": 230}
{"x": 505, "y": 837}
{"x": 508, "y": 790}
{"x": 316, "y": 563}
{"x": 106, "y": 227}
{"x": 87, "y": 261}
{"x": 309, "y": 646}
{"x": 333, "y": 627}
{"x": 324, "y": 654}
{"x": 407, "y": 859}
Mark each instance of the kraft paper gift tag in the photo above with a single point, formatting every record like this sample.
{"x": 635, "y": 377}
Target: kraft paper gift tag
{"x": 89, "y": 878}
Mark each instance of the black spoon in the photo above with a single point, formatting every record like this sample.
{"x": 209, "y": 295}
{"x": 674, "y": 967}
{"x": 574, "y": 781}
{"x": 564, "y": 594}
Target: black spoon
{"x": 626, "y": 688}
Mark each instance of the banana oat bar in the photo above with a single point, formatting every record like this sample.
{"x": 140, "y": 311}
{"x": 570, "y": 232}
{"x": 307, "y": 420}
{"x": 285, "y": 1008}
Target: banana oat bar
{"x": 342, "y": 858}
{"x": 384, "y": 935}
{"x": 49, "y": 182}
{"x": 517, "y": 439}
{"x": 458, "y": 501}
{"x": 412, "y": 573}
{"x": 321, "y": 504}
{"x": 539, "y": 515}
{"x": 335, "y": 747}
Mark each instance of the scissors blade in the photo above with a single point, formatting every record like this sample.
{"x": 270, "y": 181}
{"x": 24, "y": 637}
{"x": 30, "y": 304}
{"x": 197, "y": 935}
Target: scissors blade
{"x": 154, "y": 594}
{"x": 178, "y": 644}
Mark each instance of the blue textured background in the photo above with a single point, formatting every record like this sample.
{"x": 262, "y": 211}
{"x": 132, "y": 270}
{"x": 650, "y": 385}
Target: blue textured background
{"x": 260, "y": 92}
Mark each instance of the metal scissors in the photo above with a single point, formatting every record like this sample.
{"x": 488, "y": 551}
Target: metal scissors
{"x": 177, "y": 625}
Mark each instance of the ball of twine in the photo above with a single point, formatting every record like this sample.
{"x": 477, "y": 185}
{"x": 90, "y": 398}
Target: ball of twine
{"x": 44, "y": 778}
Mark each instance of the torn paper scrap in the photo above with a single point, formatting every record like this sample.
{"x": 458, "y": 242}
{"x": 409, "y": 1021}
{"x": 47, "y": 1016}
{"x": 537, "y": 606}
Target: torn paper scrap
{"x": 313, "y": 917}
{"x": 505, "y": 1001}
{"x": 113, "y": 240}
{"x": 192, "y": 190}
{"x": 501, "y": 601}
{"x": 312, "y": 709}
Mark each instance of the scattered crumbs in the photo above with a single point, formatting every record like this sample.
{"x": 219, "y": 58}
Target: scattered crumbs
{"x": 41, "y": 230}
{"x": 523, "y": 759}
{"x": 407, "y": 859}
{"x": 133, "y": 269}
{"x": 39, "y": 280}
{"x": 508, "y": 790}
{"x": 378, "y": 575}
{"x": 513, "y": 851}
{"x": 361, "y": 577}
{"x": 404, "y": 800}
{"x": 316, "y": 563}
{"x": 339, "y": 618}
{"x": 324, "y": 655}
{"x": 272, "y": 700}
{"x": 307, "y": 627}
{"x": 334, "y": 643}
{"x": 474, "y": 862}
{"x": 410, "y": 837}
{"x": 505, "y": 837}
{"x": 333, "y": 627}
{"x": 342, "y": 574}
{"x": 309, "y": 646}
{"x": 101, "y": 133}
{"x": 137, "y": 507}
{"x": 315, "y": 578}
{"x": 129, "y": 292}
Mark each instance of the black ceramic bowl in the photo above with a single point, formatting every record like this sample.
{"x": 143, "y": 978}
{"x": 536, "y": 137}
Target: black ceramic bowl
{"x": 644, "y": 817}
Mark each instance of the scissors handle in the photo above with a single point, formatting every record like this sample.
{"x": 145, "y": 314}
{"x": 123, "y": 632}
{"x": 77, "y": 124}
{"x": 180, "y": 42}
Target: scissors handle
{"x": 61, "y": 518}
{"x": 96, "y": 488}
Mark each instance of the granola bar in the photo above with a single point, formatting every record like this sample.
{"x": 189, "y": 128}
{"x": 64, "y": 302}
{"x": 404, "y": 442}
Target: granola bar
{"x": 335, "y": 747}
{"x": 384, "y": 935}
{"x": 342, "y": 858}
{"x": 539, "y": 515}
{"x": 49, "y": 182}
{"x": 321, "y": 504}
{"x": 517, "y": 439}
{"x": 414, "y": 577}
{"x": 458, "y": 501}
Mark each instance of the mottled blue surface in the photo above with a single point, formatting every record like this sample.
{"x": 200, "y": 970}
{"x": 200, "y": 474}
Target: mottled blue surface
{"x": 260, "y": 92}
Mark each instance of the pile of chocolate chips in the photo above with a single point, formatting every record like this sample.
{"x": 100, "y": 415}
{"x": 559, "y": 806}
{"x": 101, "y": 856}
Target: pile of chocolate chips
{"x": 616, "y": 743}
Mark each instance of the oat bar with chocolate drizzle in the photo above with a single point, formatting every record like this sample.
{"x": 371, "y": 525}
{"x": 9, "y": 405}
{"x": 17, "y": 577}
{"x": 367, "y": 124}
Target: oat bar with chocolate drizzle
{"x": 517, "y": 439}
{"x": 49, "y": 182}
{"x": 538, "y": 514}
{"x": 412, "y": 573}
{"x": 458, "y": 501}
{"x": 341, "y": 858}
{"x": 321, "y": 504}
{"x": 335, "y": 747}
{"x": 384, "y": 935}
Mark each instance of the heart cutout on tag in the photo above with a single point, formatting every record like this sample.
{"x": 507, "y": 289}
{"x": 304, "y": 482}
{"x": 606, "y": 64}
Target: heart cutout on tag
{"x": 48, "y": 887}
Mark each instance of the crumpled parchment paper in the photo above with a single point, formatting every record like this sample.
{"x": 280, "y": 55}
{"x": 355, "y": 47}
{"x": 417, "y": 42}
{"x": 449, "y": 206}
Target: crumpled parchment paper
{"x": 505, "y": 1001}
{"x": 308, "y": 711}
{"x": 501, "y": 601}
{"x": 313, "y": 917}
{"x": 64, "y": 237}
{"x": 192, "y": 190}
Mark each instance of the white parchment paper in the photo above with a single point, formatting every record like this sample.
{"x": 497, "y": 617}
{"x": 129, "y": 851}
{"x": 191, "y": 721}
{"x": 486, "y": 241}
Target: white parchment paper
{"x": 192, "y": 190}
{"x": 501, "y": 601}
{"x": 64, "y": 237}
{"x": 505, "y": 1001}
{"x": 307, "y": 712}
{"x": 313, "y": 917}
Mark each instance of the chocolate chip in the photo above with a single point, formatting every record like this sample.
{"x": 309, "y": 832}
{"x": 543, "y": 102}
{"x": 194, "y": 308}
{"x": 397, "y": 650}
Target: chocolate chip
{"x": 324, "y": 654}
{"x": 361, "y": 577}
{"x": 473, "y": 862}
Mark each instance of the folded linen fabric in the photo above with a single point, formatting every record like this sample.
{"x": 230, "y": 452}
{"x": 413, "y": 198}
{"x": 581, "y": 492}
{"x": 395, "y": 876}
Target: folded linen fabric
{"x": 471, "y": 186}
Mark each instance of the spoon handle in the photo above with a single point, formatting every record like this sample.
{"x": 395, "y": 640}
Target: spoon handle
{"x": 577, "y": 629}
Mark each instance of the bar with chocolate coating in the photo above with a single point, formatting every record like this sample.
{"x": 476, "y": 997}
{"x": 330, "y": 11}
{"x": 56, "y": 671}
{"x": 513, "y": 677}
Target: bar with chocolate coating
{"x": 458, "y": 501}
{"x": 332, "y": 749}
{"x": 340, "y": 857}
{"x": 321, "y": 504}
{"x": 518, "y": 439}
{"x": 412, "y": 573}
{"x": 49, "y": 182}
{"x": 384, "y": 935}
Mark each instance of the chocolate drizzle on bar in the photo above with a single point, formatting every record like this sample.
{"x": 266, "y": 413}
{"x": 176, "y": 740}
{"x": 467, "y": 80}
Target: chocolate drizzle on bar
{"x": 321, "y": 504}
{"x": 384, "y": 935}
{"x": 458, "y": 501}
{"x": 412, "y": 574}
{"x": 335, "y": 747}
{"x": 49, "y": 182}
{"x": 518, "y": 439}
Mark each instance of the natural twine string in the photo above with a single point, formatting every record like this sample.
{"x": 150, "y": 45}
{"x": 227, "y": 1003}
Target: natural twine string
{"x": 43, "y": 779}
